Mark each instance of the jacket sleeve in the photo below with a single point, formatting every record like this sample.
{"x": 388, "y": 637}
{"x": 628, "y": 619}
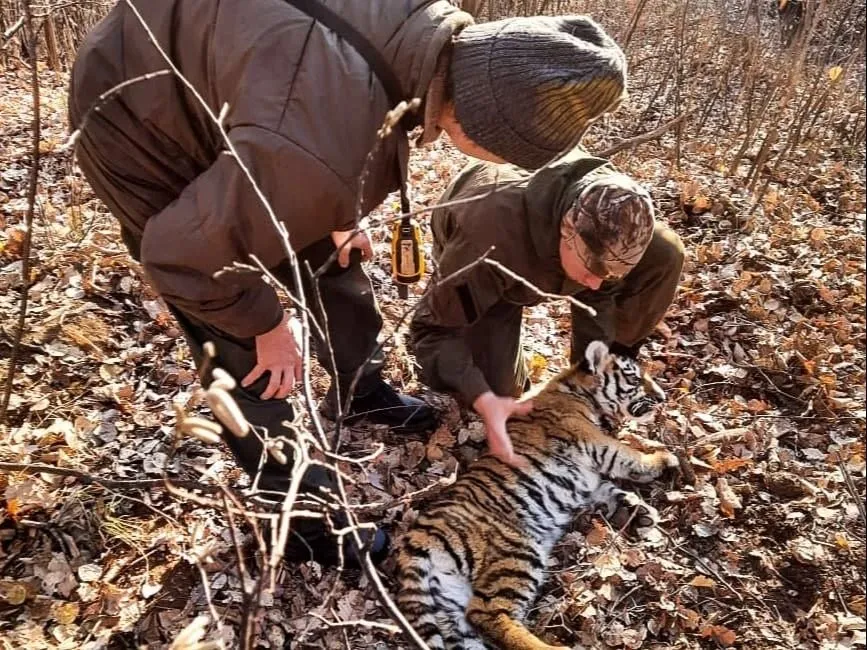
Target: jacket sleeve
{"x": 444, "y": 313}
{"x": 218, "y": 219}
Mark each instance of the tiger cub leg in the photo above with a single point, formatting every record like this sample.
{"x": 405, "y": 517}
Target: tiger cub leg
{"x": 614, "y": 500}
{"x": 614, "y": 459}
{"x": 505, "y": 631}
{"x": 416, "y": 601}
{"x": 501, "y": 598}
{"x": 433, "y": 593}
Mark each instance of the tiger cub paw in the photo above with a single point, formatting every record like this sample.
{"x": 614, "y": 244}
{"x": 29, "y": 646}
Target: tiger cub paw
{"x": 667, "y": 460}
{"x": 638, "y": 515}
{"x": 654, "y": 465}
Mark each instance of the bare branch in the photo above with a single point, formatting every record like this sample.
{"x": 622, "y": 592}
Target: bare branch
{"x": 28, "y": 235}
{"x": 634, "y": 141}
{"x": 13, "y": 29}
{"x": 113, "y": 484}
{"x": 409, "y": 497}
{"x": 850, "y": 485}
{"x": 371, "y": 625}
{"x": 543, "y": 294}
{"x": 103, "y": 99}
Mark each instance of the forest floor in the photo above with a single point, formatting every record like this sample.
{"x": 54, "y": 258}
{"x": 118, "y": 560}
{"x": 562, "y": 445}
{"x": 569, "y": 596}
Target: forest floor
{"x": 762, "y": 356}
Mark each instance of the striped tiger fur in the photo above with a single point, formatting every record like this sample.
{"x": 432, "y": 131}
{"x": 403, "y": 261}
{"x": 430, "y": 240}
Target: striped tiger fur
{"x": 470, "y": 566}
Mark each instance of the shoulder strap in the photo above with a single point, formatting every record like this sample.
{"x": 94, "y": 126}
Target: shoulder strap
{"x": 374, "y": 58}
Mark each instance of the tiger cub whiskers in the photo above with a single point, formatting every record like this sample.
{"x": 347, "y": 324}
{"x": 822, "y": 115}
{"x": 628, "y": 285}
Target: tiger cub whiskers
{"x": 471, "y": 565}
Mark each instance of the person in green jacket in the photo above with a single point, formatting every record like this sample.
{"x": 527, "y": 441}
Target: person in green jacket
{"x": 577, "y": 228}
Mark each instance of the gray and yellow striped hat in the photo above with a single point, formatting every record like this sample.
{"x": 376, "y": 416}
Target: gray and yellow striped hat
{"x": 526, "y": 89}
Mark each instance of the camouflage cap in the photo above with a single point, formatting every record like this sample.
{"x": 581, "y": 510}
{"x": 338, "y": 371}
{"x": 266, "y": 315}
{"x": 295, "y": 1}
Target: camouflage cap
{"x": 610, "y": 224}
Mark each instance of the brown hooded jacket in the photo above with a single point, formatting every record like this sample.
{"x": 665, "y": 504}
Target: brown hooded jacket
{"x": 304, "y": 108}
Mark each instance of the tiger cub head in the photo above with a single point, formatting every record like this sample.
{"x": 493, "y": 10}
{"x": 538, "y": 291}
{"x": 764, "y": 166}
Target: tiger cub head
{"x": 616, "y": 384}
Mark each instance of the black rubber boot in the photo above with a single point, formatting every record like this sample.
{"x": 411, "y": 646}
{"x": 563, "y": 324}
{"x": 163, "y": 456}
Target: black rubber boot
{"x": 383, "y": 405}
{"x": 311, "y": 540}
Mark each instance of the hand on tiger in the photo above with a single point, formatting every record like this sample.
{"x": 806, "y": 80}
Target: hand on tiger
{"x": 360, "y": 241}
{"x": 495, "y": 411}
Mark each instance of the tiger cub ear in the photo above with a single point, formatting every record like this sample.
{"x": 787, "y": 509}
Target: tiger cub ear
{"x": 595, "y": 356}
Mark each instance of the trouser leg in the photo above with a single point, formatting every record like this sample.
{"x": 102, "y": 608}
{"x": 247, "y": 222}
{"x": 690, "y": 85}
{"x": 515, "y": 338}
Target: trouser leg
{"x": 354, "y": 322}
{"x": 354, "y": 319}
{"x": 631, "y": 308}
{"x": 238, "y": 357}
{"x": 495, "y": 341}
{"x": 310, "y": 537}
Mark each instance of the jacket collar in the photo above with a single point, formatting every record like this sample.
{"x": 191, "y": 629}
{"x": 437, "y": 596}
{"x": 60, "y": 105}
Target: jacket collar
{"x": 414, "y": 51}
{"x": 550, "y": 193}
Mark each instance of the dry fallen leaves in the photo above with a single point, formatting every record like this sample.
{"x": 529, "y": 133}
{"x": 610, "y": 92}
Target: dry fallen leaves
{"x": 597, "y": 535}
{"x": 703, "y": 582}
{"x": 807, "y": 552}
{"x": 729, "y": 502}
{"x": 768, "y": 325}
{"x": 719, "y": 633}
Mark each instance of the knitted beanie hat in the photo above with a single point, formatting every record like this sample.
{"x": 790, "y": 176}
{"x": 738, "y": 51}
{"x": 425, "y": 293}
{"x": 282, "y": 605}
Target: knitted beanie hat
{"x": 526, "y": 89}
{"x": 610, "y": 224}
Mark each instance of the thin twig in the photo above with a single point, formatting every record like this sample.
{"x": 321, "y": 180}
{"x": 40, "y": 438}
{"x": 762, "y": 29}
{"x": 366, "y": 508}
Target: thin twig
{"x": 850, "y": 485}
{"x": 542, "y": 294}
{"x": 629, "y": 143}
{"x": 18, "y": 24}
{"x": 28, "y": 220}
{"x": 206, "y": 588}
{"x": 388, "y": 220}
{"x": 409, "y": 497}
{"x": 103, "y": 99}
{"x": 111, "y": 484}
{"x": 371, "y": 625}
{"x": 705, "y": 565}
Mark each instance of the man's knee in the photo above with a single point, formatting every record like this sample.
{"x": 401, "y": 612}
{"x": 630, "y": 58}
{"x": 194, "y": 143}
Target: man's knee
{"x": 666, "y": 253}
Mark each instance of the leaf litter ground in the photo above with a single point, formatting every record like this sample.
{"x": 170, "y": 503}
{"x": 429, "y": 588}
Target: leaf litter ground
{"x": 761, "y": 544}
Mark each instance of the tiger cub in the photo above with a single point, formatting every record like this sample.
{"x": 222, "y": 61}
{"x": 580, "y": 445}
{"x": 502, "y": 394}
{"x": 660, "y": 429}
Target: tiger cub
{"x": 470, "y": 566}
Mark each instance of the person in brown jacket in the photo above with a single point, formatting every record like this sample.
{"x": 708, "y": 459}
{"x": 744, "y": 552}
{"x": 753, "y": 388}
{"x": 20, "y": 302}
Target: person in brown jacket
{"x": 304, "y": 98}
{"x": 576, "y": 228}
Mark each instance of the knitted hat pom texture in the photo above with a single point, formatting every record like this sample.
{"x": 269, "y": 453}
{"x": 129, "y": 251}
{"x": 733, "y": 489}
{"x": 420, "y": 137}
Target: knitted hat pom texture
{"x": 526, "y": 89}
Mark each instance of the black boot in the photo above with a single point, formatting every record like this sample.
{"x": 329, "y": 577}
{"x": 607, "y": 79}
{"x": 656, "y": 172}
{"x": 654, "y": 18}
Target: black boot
{"x": 383, "y": 405}
{"x": 311, "y": 540}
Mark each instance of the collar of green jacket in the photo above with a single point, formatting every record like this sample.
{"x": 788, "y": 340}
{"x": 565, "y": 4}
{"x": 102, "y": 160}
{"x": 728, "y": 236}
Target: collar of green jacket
{"x": 550, "y": 193}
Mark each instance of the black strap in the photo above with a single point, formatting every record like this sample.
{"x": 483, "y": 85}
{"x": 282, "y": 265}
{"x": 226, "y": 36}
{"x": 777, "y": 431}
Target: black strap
{"x": 374, "y": 58}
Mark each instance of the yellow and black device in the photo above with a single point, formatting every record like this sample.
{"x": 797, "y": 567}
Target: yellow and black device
{"x": 407, "y": 256}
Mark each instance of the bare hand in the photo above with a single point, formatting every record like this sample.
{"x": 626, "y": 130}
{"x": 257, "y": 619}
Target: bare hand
{"x": 277, "y": 352}
{"x": 495, "y": 411}
{"x": 359, "y": 241}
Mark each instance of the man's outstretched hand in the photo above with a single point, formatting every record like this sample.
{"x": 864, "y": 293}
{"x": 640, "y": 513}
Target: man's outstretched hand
{"x": 495, "y": 411}
{"x": 278, "y": 353}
